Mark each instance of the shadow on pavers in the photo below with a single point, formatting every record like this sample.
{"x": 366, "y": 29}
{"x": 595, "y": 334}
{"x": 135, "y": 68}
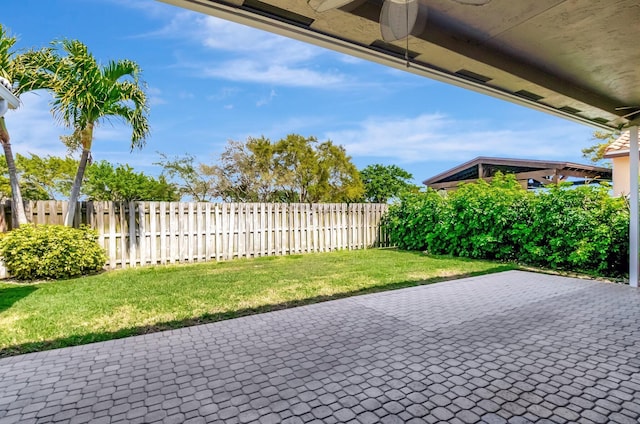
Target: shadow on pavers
{"x": 82, "y": 339}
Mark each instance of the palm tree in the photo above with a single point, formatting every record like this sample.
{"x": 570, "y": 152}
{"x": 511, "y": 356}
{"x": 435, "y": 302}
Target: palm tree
{"x": 87, "y": 93}
{"x": 23, "y": 75}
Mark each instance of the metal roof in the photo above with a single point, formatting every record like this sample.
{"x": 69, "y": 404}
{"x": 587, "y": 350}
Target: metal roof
{"x": 539, "y": 171}
{"x": 573, "y": 58}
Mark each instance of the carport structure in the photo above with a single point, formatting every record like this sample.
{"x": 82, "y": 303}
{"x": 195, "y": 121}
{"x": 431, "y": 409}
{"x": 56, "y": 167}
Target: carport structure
{"x": 531, "y": 174}
{"x": 577, "y": 59}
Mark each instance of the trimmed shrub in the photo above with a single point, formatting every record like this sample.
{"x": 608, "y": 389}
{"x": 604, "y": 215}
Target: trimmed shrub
{"x": 415, "y": 221}
{"x": 482, "y": 216}
{"x": 580, "y": 228}
{"x": 51, "y": 252}
{"x": 562, "y": 227}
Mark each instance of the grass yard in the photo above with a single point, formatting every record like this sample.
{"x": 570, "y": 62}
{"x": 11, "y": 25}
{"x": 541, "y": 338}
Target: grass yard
{"x": 121, "y": 303}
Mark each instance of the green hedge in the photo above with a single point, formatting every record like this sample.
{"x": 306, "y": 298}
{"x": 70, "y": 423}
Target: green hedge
{"x": 51, "y": 252}
{"x": 561, "y": 227}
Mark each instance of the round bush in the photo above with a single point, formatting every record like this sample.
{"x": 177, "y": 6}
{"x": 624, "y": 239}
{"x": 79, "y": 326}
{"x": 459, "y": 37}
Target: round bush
{"x": 51, "y": 252}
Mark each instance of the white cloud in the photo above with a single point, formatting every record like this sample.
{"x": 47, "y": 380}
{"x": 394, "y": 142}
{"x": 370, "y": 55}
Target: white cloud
{"x": 249, "y": 54}
{"x": 185, "y": 95}
{"x": 267, "y": 99}
{"x": 113, "y": 132}
{"x": 219, "y": 34}
{"x": 273, "y": 74}
{"x": 33, "y": 128}
{"x": 224, "y": 93}
{"x": 154, "y": 97}
{"x": 435, "y": 137}
{"x": 149, "y": 7}
{"x": 351, "y": 60}
{"x": 305, "y": 125}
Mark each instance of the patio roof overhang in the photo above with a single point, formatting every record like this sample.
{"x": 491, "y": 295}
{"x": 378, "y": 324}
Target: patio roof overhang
{"x": 574, "y": 58}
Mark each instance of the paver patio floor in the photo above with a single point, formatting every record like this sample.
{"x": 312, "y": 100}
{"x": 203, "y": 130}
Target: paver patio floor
{"x": 512, "y": 347}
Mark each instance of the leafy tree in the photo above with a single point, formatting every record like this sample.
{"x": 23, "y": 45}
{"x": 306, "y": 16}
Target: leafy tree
{"x": 297, "y": 165}
{"x": 45, "y": 178}
{"x": 87, "y": 93}
{"x": 293, "y": 169}
{"x": 5, "y": 186}
{"x": 195, "y": 180}
{"x": 28, "y": 190}
{"x": 382, "y": 183}
{"x": 595, "y": 153}
{"x": 246, "y": 171}
{"x": 338, "y": 179}
{"x": 24, "y": 75}
{"x": 52, "y": 176}
{"x": 122, "y": 183}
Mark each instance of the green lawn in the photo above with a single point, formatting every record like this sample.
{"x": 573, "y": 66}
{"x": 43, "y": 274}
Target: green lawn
{"x": 120, "y": 303}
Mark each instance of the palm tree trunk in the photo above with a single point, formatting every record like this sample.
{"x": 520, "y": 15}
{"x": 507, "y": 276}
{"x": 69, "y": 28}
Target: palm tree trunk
{"x": 17, "y": 206}
{"x": 75, "y": 190}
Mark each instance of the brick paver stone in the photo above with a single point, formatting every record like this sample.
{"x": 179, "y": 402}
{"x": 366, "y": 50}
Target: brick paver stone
{"x": 511, "y": 347}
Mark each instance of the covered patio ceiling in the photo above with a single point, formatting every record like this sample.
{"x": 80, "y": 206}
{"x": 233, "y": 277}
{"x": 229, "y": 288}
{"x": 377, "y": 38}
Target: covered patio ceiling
{"x": 574, "y": 58}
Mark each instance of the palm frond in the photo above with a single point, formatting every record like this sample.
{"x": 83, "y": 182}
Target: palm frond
{"x": 7, "y": 41}
{"x": 35, "y": 70}
{"x": 88, "y": 93}
{"x": 114, "y": 70}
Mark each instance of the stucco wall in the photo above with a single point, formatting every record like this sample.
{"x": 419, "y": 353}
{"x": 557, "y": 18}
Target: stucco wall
{"x": 621, "y": 179}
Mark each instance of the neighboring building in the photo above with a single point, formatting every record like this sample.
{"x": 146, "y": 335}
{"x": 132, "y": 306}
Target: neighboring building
{"x": 7, "y": 99}
{"x": 530, "y": 173}
{"x": 618, "y": 152}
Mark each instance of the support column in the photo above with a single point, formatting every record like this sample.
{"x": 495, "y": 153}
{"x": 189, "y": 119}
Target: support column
{"x": 633, "y": 203}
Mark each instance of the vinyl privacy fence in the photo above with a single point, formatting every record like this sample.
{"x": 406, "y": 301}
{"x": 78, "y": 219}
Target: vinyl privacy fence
{"x": 148, "y": 233}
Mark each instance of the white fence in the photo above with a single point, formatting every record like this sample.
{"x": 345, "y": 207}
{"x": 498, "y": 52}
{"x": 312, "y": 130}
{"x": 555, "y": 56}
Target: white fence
{"x": 147, "y": 233}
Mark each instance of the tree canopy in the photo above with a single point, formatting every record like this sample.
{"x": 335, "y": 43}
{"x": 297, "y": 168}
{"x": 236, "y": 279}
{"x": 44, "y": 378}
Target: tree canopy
{"x": 196, "y": 181}
{"x": 292, "y": 169}
{"x": 121, "y": 183}
{"x": 385, "y": 182}
{"x": 51, "y": 177}
{"x": 595, "y": 152}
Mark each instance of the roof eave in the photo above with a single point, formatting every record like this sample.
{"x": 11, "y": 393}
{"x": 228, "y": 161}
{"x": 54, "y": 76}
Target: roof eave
{"x": 9, "y": 97}
{"x": 616, "y": 154}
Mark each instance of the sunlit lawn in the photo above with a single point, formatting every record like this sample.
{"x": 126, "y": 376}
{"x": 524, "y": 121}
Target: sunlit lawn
{"x": 120, "y": 303}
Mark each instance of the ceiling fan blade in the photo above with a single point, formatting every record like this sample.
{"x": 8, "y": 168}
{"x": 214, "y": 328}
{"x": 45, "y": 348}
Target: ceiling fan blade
{"x": 324, "y": 5}
{"x": 398, "y": 19}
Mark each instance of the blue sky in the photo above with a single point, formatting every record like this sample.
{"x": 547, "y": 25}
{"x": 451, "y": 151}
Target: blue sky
{"x": 210, "y": 81}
